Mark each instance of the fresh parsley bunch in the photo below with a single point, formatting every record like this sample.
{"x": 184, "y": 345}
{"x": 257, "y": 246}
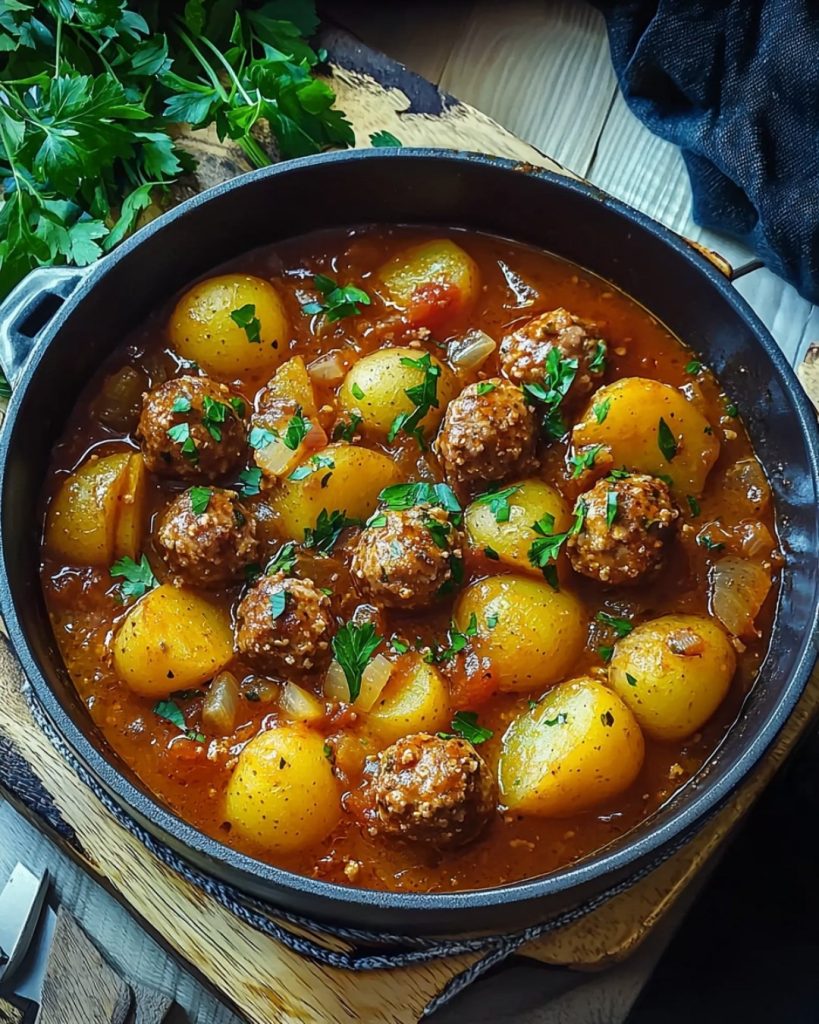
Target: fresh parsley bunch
{"x": 91, "y": 92}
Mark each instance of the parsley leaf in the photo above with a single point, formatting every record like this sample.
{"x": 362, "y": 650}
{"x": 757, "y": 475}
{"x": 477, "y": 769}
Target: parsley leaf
{"x": 465, "y": 724}
{"x": 171, "y": 712}
{"x": 297, "y": 429}
{"x": 283, "y": 561}
{"x": 346, "y": 431}
{"x": 245, "y": 317}
{"x": 666, "y": 441}
{"x": 138, "y": 576}
{"x": 404, "y": 496}
{"x": 630, "y": 679}
{"x": 260, "y": 437}
{"x": 327, "y": 530}
{"x": 694, "y": 367}
{"x": 611, "y": 507}
{"x": 181, "y": 404}
{"x": 601, "y": 410}
{"x": 545, "y": 549}
{"x": 214, "y": 413}
{"x": 313, "y": 465}
{"x": 498, "y": 502}
{"x": 559, "y": 377}
{"x": 705, "y": 541}
{"x": 561, "y": 718}
{"x": 353, "y": 646}
{"x": 200, "y": 499}
{"x": 180, "y": 433}
{"x": 457, "y": 640}
{"x": 584, "y": 459}
{"x": 597, "y": 363}
{"x": 278, "y": 603}
{"x": 621, "y": 627}
{"x": 339, "y": 300}
{"x": 251, "y": 481}
{"x": 693, "y": 504}
{"x": 485, "y": 386}
{"x": 384, "y": 139}
{"x": 424, "y": 396}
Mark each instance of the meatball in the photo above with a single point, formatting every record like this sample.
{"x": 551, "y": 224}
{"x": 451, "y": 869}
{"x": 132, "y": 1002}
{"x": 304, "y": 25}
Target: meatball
{"x": 192, "y": 428}
{"x": 207, "y": 537}
{"x": 403, "y": 558}
{"x": 429, "y": 789}
{"x": 488, "y": 434}
{"x": 524, "y": 352}
{"x": 284, "y": 625}
{"x": 623, "y": 536}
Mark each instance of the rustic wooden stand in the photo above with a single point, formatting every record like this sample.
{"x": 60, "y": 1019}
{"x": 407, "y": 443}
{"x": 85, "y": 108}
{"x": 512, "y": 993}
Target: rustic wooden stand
{"x": 266, "y": 982}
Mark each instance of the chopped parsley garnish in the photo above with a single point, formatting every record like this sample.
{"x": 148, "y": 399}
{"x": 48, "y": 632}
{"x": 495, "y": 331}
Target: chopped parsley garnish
{"x": 339, "y": 300}
{"x": 313, "y": 465}
{"x": 298, "y": 427}
{"x": 171, "y": 712}
{"x": 705, "y": 541}
{"x": 398, "y": 645}
{"x": 545, "y": 549}
{"x": 694, "y": 367}
{"x": 606, "y": 652}
{"x": 498, "y": 502}
{"x": 180, "y": 433}
{"x": 346, "y": 431}
{"x": 619, "y": 474}
{"x": 584, "y": 459}
{"x": 607, "y": 718}
{"x": 560, "y": 374}
{"x": 630, "y": 679}
{"x": 491, "y": 553}
{"x": 214, "y": 413}
{"x": 327, "y": 530}
{"x": 245, "y": 317}
{"x": 404, "y": 496}
{"x": 621, "y": 627}
{"x": 465, "y": 724}
{"x": 731, "y": 410}
{"x": 283, "y": 561}
{"x": 693, "y": 504}
{"x": 278, "y": 603}
{"x": 195, "y": 736}
{"x": 137, "y": 576}
{"x": 438, "y": 531}
{"x": 356, "y": 390}
{"x": 200, "y": 499}
{"x": 611, "y": 507}
{"x": 259, "y": 438}
{"x": 250, "y": 480}
{"x": 384, "y": 139}
{"x": 601, "y": 410}
{"x": 491, "y": 621}
{"x": 666, "y": 441}
{"x": 561, "y": 718}
{"x": 597, "y": 364}
{"x": 238, "y": 406}
{"x": 485, "y": 386}
{"x": 181, "y": 404}
{"x": 424, "y": 396}
{"x": 353, "y": 646}
{"x": 457, "y": 640}
{"x": 377, "y": 522}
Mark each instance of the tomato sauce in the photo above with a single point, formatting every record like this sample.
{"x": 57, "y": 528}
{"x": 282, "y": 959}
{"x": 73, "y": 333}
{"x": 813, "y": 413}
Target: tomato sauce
{"x": 190, "y": 775}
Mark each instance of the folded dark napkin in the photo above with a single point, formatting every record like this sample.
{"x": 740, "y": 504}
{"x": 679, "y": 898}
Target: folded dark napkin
{"x": 736, "y": 86}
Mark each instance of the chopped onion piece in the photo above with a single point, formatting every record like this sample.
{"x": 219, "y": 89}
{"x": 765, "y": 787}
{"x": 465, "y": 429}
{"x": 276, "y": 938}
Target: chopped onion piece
{"x": 738, "y": 591}
{"x": 300, "y": 704}
{"x": 277, "y": 460}
{"x": 327, "y": 369}
{"x": 373, "y": 681}
{"x": 335, "y": 683}
{"x": 472, "y": 350}
{"x": 746, "y": 479}
{"x": 221, "y": 705}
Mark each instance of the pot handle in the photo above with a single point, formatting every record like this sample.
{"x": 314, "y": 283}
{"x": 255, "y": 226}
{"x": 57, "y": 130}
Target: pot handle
{"x": 28, "y": 309}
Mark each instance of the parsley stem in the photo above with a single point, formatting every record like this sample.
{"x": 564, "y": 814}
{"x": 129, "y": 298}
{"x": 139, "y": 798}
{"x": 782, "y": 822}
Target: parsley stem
{"x": 58, "y": 42}
{"x": 227, "y": 66}
{"x": 206, "y": 67}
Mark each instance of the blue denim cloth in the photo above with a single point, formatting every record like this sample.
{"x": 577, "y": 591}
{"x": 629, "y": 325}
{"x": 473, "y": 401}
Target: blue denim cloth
{"x": 736, "y": 86}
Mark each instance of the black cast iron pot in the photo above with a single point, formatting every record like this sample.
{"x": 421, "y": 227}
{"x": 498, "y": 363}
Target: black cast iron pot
{"x": 49, "y": 366}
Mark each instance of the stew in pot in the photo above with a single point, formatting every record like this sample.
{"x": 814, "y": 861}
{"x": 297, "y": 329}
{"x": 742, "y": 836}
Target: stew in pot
{"x": 409, "y": 559}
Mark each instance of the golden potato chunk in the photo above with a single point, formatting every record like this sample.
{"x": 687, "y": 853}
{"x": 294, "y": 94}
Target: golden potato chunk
{"x": 416, "y": 699}
{"x": 433, "y": 283}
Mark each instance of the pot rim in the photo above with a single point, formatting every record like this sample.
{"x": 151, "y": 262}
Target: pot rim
{"x": 615, "y": 858}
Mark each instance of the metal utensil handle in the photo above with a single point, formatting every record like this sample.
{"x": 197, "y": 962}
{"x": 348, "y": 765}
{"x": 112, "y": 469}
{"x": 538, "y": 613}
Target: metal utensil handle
{"x": 27, "y": 310}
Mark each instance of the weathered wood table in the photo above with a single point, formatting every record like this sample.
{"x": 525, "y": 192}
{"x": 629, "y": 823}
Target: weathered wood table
{"x": 542, "y": 70}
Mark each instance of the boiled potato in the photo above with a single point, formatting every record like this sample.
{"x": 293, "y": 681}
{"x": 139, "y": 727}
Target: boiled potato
{"x": 282, "y": 794}
{"x": 375, "y": 389}
{"x": 352, "y": 485}
{"x": 201, "y": 327}
{"x": 673, "y": 673}
{"x": 292, "y": 381}
{"x": 82, "y": 519}
{"x": 434, "y": 282}
{"x": 416, "y": 699}
{"x": 531, "y": 634}
{"x": 511, "y": 540}
{"x": 132, "y": 509}
{"x": 170, "y": 640}
{"x": 578, "y": 746}
{"x": 632, "y": 432}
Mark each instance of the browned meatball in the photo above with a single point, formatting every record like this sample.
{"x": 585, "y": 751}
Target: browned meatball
{"x": 488, "y": 434}
{"x": 626, "y": 526}
{"x": 429, "y": 789}
{"x": 207, "y": 537}
{"x": 524, "y": 352}
{"x": 284, "y": 625}
{"x": 192, "y": 428}
{"x": 403, "y": 558}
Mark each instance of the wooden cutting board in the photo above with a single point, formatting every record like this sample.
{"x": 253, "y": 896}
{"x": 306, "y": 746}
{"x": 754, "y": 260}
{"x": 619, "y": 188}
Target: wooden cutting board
{"x": 266, "y": 982}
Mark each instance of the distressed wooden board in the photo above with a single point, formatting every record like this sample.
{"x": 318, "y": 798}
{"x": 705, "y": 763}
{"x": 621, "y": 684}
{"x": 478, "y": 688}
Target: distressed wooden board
{"x": 266, "y": 982}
